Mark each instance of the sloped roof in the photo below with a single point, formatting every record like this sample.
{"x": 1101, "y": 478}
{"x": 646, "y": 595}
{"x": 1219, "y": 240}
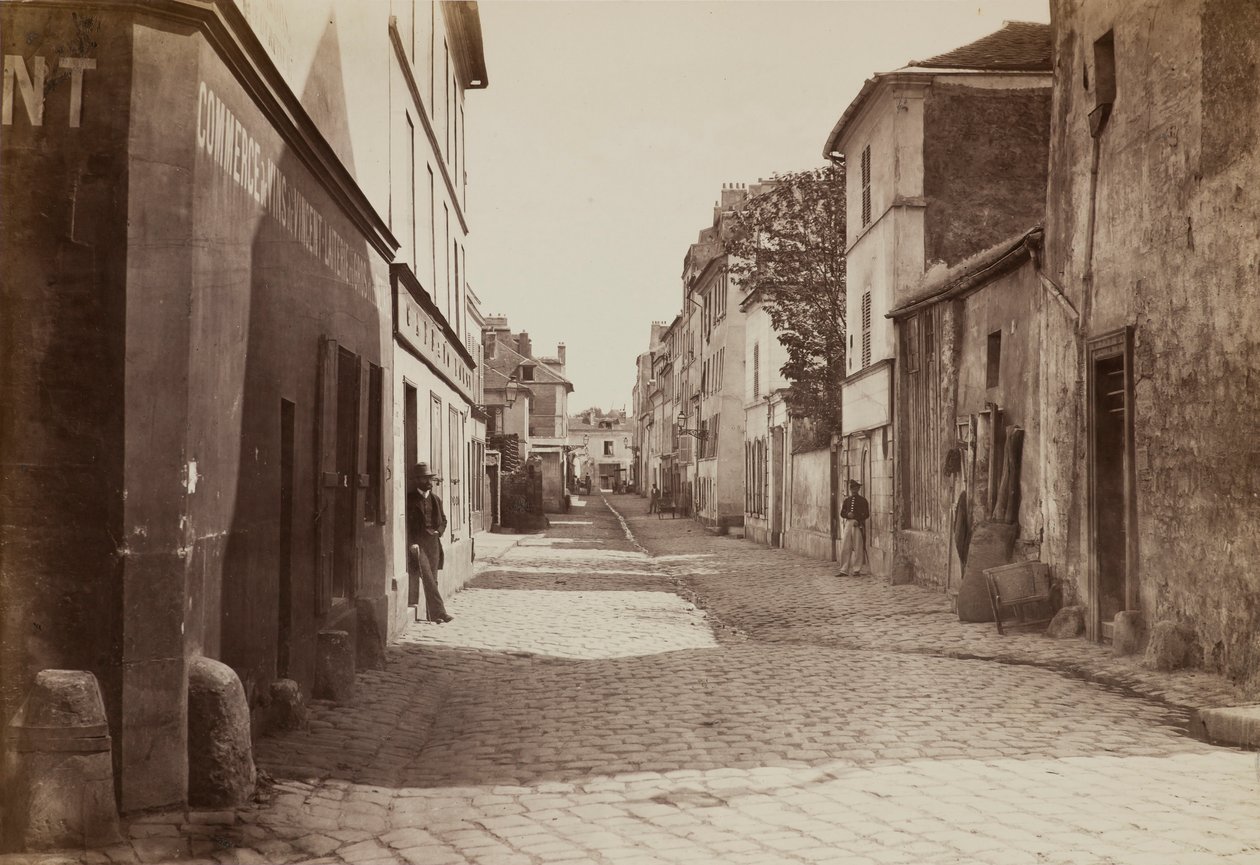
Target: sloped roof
{"x": 508, "y": 358}
{"x": 1020, "y": 46}
{"x": 971, "y": 273}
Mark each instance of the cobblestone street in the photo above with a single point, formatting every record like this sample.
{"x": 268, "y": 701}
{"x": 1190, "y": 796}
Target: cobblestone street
{"x": 628, "y": 690}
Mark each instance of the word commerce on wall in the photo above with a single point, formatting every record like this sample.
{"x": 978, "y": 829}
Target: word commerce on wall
{"x": 236, "y": 151}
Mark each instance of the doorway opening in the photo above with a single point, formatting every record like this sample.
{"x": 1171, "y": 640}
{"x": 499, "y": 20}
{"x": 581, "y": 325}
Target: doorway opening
{"x": 284, "y": 604}
{"x": 1113, "y": 585}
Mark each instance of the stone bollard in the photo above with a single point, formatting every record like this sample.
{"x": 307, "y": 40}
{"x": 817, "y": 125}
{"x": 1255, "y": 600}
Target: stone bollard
{"x": 370, "y": 651}
{"x": 288, "y": 709}
{"x": 334, "y": 667}
{"x": 1171, "y": 646}
{"x": 1069, "y": 622}
{"x": 220, "y": 752}
{"x": 59, "y": 771}
{"x": 1128, "y": 635}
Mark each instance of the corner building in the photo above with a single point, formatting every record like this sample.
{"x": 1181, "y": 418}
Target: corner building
{"x": 200, "y": 220}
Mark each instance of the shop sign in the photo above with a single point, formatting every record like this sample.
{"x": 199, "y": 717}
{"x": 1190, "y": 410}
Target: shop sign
{"x": 420, "y": 330}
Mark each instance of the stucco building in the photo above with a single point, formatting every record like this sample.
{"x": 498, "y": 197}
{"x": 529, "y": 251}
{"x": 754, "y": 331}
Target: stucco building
{"x": 766, "y": 426}
{"x": 944, "y": 158}
{"x": 436, "y": 57}
{"x": 712, "y": 297}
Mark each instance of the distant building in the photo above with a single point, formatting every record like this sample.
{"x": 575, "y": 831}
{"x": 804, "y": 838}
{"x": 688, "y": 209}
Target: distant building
{"x": 541, "y": 394}
{"x": 712, "y": 299}
{"x": 944, "y": 158}
{"x": 766, "y": 425}
{"x": 603, "y": 450}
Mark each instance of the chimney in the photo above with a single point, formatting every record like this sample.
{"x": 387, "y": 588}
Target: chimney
{"x": 560, "y": 354}
{"x": 732, "y": 194}
{"x": 523, "y": 344}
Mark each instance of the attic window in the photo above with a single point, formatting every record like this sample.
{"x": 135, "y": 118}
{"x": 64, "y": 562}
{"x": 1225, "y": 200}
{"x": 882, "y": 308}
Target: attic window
{"x": 527, "y": 373}
{"x": 1104, "y": 82}
{"x": 993, "y": 367}
{"x": 1105, "y": 69}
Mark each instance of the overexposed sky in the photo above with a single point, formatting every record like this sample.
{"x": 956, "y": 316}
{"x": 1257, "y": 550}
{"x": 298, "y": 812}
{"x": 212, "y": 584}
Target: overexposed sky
{"x": 608, "y": 128}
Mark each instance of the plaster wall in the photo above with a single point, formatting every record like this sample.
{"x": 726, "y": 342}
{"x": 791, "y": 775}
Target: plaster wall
{"x": 1174, "y": 257}
{"x": 868, "y": 457}
{"x": 809, "y": 505}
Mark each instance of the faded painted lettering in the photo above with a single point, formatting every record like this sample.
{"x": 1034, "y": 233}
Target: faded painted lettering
{"x": 30, "y": 86}
{"x": 228, "y": 144}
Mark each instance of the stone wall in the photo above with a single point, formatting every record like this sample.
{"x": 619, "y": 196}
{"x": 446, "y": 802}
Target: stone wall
{"x": 1174, "y": 257}
{"x": 984, "y": 155}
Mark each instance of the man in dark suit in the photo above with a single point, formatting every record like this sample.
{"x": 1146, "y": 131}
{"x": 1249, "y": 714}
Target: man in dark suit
{"x": 853, "y": 514}
{"x": 426, "y": 522}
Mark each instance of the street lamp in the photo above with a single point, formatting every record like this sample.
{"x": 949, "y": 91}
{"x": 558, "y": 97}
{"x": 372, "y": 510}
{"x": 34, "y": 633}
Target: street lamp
{"x": 513, "y": 388}
{"x": 683, "y": 431}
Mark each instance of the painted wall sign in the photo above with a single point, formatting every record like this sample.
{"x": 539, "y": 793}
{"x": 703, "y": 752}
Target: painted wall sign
{"x": 234, "y": 149}
{"x": 33, "y": 82}
{"x": 418, "y": 329}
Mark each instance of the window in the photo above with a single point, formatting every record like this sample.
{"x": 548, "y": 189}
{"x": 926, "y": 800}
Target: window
{"x": 1105, "y": 69}
{"x": 527, "y": 373}
{"x": 435, "y": 433}
{"x": 608, "y": 448}
{"x": 446, "y": 55}
{"x": 455, "y": 309}
{"x": 411, "y": 188}
{"x": 432, "y": 230}
{"x": 993, "y": 368}
{"x": 756, "y": 371}
{"x": 866, "y": 329}
{"x": 866, "y": 186}
{"x": 446, "y": 212}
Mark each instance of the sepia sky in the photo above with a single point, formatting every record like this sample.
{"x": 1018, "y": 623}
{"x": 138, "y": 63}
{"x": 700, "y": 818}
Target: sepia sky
{"x": 608, "y": 128}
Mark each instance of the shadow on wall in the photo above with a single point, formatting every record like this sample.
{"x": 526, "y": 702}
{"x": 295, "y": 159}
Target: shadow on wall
{"x": 309, "y": 279}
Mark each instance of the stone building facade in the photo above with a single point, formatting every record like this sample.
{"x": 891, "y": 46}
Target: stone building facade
{"x": 1149, "y": 394}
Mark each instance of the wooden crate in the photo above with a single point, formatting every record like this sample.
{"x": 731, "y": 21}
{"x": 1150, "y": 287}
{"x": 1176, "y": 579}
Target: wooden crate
{"x": 1020, "y": 595}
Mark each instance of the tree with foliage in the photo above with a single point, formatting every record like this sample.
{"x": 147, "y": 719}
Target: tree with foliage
{"x": 787, "y": 247}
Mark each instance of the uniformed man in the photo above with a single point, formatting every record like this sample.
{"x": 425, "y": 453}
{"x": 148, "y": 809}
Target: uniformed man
{"x": 853, "y": 515}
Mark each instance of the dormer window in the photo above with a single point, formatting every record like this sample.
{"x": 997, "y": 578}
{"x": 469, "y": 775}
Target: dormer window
{"x": 527, "y": 373}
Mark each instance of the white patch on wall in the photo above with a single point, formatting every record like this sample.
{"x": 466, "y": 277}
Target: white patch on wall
{"x": 191, "y": 477}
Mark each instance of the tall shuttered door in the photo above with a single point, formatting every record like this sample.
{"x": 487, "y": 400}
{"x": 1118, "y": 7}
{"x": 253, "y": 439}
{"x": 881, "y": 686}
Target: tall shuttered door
{"x": 362, "y": 479}
{"x": 328, "y": 479}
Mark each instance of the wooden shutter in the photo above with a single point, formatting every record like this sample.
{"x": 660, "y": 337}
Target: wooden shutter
{"x": 326, "y": 477}
{"x": 362, "y": 478}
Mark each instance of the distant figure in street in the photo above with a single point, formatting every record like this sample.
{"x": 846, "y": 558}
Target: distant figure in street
{"x": 653, "y": 499}
{"x": 853, "y": 514}
{"x": 426, "y": 521}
